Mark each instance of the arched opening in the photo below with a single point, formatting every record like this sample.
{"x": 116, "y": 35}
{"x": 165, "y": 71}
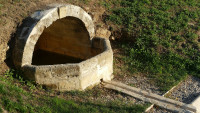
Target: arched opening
{"x": 65, "y": 41}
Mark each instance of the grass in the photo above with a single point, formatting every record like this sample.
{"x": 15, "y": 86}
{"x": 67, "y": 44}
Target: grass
{"x": 85, "y": 1}
{"x": 18, "y": 95}
{"x": 1, "y": 5}
{"x": 159, "y": 37}
{"x": 69, "y": 106}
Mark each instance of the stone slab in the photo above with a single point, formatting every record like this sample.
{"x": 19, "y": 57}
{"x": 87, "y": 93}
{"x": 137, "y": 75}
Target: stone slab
{"x": 158, "y": 100}
{"x": 196, "y": 103}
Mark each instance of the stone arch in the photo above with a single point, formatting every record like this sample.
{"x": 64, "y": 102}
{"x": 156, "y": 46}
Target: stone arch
{"x": 43, "y": 19}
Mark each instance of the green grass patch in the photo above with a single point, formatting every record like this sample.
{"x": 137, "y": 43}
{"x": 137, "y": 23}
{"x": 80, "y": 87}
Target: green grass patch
{"x": 14, "y": 98}
{"x": 162, "y": 37}
{"x": 1, "y": 110}
{"x": 85, "y": 1}
{"x": 62, "y": 106}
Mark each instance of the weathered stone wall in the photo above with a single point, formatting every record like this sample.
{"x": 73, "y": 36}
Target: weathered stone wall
{"x": 75, "y": 76}
{"x": 98, "y": 67}
{"x": 58, "y": 37}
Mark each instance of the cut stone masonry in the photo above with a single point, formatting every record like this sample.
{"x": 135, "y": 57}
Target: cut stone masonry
{"x": 57, "y": 48}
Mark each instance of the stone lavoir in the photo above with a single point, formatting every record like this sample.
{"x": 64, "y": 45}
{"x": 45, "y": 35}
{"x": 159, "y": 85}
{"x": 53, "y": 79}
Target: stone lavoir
{"x": 57, "y": 48}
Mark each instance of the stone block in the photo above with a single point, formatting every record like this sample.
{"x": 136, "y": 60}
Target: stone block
{"x": 196, "y": 103}
{"x": 62, "y": 12}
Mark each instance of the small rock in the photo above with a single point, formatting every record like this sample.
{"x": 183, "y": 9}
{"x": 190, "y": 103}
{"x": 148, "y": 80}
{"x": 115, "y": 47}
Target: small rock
{"x": 198, "y": 33}
{"x": 187, "y": 90}
{"x": 87, "y": 8}
{"x": 97, "y": 14}
{"x": 113, "y": 38}
{"x": 3, "y": 49}
{"x": 104, "y": 33}
{"x": 190, "y": 23}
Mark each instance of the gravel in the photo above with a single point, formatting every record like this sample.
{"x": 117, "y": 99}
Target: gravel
{"x": 103, "y": 95}
{"x": 187, "y": 91}
{"x": 141, "y": 82}
{"x": 156, "y": 109}
{"x": 112, "y": 95}
{"x": 144, "y": 83}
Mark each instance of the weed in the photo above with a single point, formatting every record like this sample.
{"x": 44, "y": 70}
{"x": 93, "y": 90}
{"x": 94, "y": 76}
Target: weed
{"x": 31, "y": 86}
{"x": 60, "y": 105}
{"x": 133, "y": 85}
{"x": 85, "y": 1}
{"x": 2, "y": 89}
{"x": 1, "y": 5}
{"x": 16, "y": 1}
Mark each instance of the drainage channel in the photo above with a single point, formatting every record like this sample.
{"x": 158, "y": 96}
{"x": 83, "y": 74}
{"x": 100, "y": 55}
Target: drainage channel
{"x": 158, "y": 100}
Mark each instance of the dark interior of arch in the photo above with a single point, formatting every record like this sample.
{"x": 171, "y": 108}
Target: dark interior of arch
{"x": 65, "y": 41}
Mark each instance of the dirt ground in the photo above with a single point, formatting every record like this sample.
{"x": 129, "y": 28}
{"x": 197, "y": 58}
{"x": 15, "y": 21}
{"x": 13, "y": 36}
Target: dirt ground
{"x": 13, "y": 12}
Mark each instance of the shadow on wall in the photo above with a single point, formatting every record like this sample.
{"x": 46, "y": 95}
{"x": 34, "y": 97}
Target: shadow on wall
{"x": 65, "y": 41}
{"x": 11, "y": 43}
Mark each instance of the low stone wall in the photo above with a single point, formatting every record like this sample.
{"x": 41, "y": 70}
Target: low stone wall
{"x": 75, "y": 76}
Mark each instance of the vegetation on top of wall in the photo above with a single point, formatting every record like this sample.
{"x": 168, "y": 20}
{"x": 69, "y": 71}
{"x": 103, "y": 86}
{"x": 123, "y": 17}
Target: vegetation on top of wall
{"x": 162, "y": 37}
